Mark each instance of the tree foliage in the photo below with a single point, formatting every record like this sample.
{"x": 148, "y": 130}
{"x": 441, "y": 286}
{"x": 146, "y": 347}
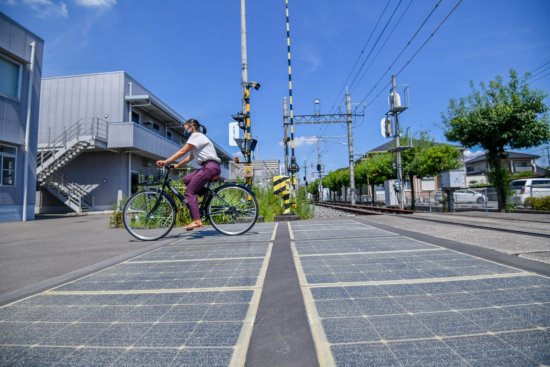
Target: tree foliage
{"x": 496, "y": 117}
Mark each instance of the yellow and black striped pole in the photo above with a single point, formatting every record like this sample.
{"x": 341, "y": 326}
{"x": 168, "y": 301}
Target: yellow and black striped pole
{"x": 293, "y": 167}
{"x": 248, "y": 161}
{"x": 281, "y": 187}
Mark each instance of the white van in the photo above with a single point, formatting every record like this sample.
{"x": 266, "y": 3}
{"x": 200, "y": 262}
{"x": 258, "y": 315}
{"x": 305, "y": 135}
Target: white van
{"x": 527, "y": 187}
{"x": 463, "y": 196}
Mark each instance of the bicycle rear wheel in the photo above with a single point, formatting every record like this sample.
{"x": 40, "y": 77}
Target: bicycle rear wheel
{"x": 232, "y": 210}
{"x": 149, "y": 215}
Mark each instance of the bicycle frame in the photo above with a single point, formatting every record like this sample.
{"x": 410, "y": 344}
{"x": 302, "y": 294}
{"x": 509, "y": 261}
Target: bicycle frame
{"x": 166, "y": 184}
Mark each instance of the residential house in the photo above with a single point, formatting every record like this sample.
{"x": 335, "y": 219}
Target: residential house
{"x": 477, "y": 167}
{"x": 97, "y": 133}
{"x": 20, "y": 77}
{"x": 424, "y": 187}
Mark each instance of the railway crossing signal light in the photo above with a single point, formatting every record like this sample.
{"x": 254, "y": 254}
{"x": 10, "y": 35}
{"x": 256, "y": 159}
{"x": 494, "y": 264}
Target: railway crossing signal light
{"x": 293, "y": 166}
{"x": 246, "y": 146}
{"x": 241, "y": 119}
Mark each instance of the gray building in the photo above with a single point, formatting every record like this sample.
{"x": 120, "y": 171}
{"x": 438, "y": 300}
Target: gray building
{"x": 97, "y": 133}
{"x": 20, "y": 76}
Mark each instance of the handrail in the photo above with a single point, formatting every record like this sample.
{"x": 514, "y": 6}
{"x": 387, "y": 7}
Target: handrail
{"x": 95, "y": 128}
{"x": 71, "y": 186}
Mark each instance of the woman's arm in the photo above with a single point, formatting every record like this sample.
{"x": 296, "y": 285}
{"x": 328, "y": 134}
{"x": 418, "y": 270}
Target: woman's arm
{"x": 180, "y": 153}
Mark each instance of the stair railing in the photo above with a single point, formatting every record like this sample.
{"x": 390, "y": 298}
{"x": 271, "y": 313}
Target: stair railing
{"x": 94, "y": 129}
{"x": 74, "y": 191}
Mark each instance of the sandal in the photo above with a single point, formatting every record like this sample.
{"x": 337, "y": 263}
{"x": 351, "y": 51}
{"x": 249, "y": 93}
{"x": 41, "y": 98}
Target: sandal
{"x": 192, "y": 226}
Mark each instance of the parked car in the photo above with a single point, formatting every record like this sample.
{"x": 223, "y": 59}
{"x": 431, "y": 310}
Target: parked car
{"x": 527, "y": 187}
{"x": 463, "y": 196}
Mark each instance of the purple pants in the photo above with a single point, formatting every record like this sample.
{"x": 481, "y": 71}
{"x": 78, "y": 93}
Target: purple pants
{"x": 195, "y": 182}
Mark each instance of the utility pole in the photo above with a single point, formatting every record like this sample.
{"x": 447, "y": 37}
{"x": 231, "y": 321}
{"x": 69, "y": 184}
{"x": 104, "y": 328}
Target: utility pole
{"x": 246, "y": 145}
{"x": 350, "y": 150}
{"x": 305, "y": 173}
{"x": 246, "y": 93}
{"x": 293, "y": 167}
{"x": 285, "y": 134}
{"x": 395, "y": 109}
{"x": 335, "y": 118}
{"x": 319, "y": 170}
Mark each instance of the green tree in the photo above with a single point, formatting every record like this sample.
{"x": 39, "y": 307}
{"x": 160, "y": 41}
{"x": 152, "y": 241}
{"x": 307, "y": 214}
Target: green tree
{"x": 374, "y": 171}
{"x": 313, "y": 188}
{"x": 496, "y": 117}
{"x": 427, "y": 159}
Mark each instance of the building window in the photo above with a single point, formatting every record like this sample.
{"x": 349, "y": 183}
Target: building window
{"x": 136, "y": 117}
{"x": 169, "y": 135}
{"x": 7, "y": 165}
{"x": 10, "y": 77}
{"x": 156, "y": 127}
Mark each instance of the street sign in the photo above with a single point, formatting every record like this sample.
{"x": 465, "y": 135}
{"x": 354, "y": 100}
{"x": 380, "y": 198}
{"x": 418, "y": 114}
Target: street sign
{"x": 233, "y": 133}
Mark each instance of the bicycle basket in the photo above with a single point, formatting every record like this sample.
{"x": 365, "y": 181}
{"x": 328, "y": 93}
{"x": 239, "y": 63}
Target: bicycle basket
{"x": 149, "y": 177}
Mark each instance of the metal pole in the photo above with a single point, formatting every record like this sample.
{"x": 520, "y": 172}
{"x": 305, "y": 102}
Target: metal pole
{"x": 243, "y": 43}
{"x": 246, "y": 92}
{"x": 305, "y": 174}
{"x": 28, "y": 136}
{"x": 293, "y": 165}
{"x": 319, "y": 169}
{"x": 398, "y": 150}
{"x": 285, "y": 133}
{"x": 350, "y": 148}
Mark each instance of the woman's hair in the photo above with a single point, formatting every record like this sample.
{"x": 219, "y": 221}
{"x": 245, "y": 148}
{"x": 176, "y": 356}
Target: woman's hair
{"x": 198, "y": 127}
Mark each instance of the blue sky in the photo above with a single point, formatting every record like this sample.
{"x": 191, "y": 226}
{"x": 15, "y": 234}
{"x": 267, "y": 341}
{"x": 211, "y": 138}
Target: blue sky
{"x": 188, "y": 53}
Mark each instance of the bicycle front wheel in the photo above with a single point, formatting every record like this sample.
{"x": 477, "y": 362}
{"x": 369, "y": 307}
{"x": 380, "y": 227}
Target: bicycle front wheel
{"x": 233, "y": 210}
{"x": 149, "y": 215}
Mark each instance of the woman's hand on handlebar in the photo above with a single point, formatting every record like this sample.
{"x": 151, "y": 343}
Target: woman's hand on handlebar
{"x": 166, "y": 164}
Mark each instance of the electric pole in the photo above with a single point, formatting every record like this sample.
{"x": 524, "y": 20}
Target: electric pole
{"x": 319, "y": 170}
{"x": 335, "y": 118}
{"x": 395, "y": 109}
{"x": 305, "y": 173}
{"x": 246, "y": 145}
{"x": 350, "y": 149}
{"x": 285, "y": 134}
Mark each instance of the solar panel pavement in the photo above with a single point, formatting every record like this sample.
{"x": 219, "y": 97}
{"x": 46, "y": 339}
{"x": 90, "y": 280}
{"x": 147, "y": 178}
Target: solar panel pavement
{"x": 376, "y": 298}
{"x": 191, "y": 303}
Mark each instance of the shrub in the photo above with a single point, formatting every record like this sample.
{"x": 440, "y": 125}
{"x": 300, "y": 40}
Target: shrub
{"x": 115, "y": 221}
{"x": 538, "y": 203}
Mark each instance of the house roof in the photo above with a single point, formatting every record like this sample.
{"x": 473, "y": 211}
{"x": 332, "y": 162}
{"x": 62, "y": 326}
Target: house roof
{"x": 389, "y": 145}
{"x": 510, "y": 155}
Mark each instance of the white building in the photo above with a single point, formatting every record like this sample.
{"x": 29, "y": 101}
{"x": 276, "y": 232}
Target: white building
{"x": 20, "y": 75}
{"x": 97, "y": 132}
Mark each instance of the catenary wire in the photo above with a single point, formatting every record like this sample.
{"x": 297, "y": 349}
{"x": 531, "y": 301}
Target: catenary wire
{"x": 360, "y": 55}
{"x": 411, "y": 58}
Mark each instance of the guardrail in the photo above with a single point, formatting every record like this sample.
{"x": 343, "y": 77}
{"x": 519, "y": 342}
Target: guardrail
{"x": 84, "y": 129}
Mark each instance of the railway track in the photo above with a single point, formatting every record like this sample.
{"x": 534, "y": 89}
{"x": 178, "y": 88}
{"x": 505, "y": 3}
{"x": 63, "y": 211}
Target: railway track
{"x": 539, "y": 228}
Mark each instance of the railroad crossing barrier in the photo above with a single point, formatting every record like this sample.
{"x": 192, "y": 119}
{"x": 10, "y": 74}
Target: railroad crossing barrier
{"x": 281, "y": 187}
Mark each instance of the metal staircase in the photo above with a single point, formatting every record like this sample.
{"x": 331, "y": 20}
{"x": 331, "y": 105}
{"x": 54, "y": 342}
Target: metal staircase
{"x": 84, "y": 135}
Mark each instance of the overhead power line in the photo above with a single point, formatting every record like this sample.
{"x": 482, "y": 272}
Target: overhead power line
{"x": 384, "y": 43}
{"x": 376, "y": 43}
{"x": 538, "y": 73}
{"x": 415, "y": 53}
{"x": 360, "y": 55}
{"x": 540, "y": 77}
{"x": 534, "y": 70}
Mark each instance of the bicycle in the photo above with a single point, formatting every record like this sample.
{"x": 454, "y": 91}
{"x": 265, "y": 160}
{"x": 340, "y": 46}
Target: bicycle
{"x": 150, "y": 214}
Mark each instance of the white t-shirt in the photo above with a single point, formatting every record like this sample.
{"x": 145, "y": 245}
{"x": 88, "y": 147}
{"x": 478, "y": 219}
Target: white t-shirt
{"x": 203, "y": 148}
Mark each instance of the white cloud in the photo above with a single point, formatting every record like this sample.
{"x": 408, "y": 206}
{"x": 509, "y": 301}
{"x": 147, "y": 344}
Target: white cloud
{"x": 97, "y": 3}
{"x": 468, "y": 154}
{"x": 48, "y": 8}
{"x": 303, "y": 141}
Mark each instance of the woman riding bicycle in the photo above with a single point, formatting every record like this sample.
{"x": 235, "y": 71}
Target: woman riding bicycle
{"x": 201, "y": 148}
